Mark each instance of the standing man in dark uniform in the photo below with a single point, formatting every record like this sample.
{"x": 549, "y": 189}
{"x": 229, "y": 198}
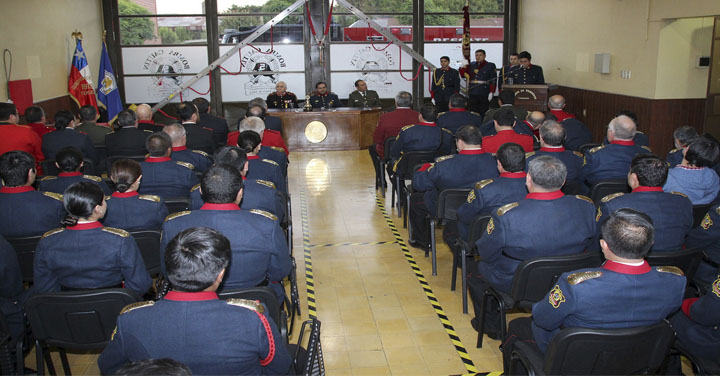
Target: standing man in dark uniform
{"x": 527, "y": 74}
{"x": 362, "y": 97}
{"x": 505, "y": 72}
{"x": 322, "y": 98}
{"x": 458, "y": 116}
{"x": 482, "y": 77}
{"x": 191, "y": 325}
{"x": 198, "y": 137}
{"x": 445, "y": 82}
{"x": 128, "y": 140}
{"x": 162, "y": 176}
{"x": 217, "y": 124}
{"x": 282, "y": 98}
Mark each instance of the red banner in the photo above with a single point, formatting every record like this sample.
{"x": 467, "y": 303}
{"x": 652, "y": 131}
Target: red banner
{"x": 466, "y": 32}
{"x": 80, "y": 90}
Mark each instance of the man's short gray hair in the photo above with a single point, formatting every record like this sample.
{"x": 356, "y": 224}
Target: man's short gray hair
{"x": 623, "y": 127}
{"x": 175, "y": 131}
{"x": 252, "y": 123}
{"x": 547, "y": 172}
{"x": 403, "y": 99}
{"x": 258, "y": 102}
{"x": 556, "y": 102}
{"x": 552, "y": 133}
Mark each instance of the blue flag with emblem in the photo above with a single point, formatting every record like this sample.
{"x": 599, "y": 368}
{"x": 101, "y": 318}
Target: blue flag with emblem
{"x": 108, "y": 94}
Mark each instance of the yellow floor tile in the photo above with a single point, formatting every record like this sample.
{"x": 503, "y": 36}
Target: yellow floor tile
{"x": 367, "y": 359}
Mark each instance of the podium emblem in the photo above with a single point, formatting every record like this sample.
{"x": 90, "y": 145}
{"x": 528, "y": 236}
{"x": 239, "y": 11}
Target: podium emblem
{"x": 315, "y": 131}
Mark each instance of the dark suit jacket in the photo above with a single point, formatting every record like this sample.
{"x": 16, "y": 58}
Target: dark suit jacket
{"x": 199, "y": 138}
{"x": 127, "y": 141}
{"x": 218, "y": 125}
{"x": 54, "y": 141}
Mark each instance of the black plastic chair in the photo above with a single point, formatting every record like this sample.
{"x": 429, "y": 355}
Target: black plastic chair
{"x": 50, "y": 169}
{"x": 699, "y": 212}
{"x": 7, "y": 364}
{"x": 531, "y": 282}
{"x": 314, "y": 364}
{"x": 477, "y": 228}
{"x": 607, "y": 187}
{"x": 268, "y": 298}
{"x": 687, "y": 260}
{"x": 384, "y": 163}
{"x": 25, "y": 249}
{"x": 77, "y": 320}
{"x": 572, "y": 188}
{"x": 293, "y": 302}
{"x": 701, "y": 366}
{"x": 405, "y": 169}
{"x": 579, "y": 351}
{"x": 585, "y": 147}
{"x": 177, "y": 204}
{"x": 112, "y": 158}
{"x": 149, "y": 243}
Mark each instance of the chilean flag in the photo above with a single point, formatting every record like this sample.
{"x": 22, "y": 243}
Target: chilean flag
{"x": 79, "y": 83}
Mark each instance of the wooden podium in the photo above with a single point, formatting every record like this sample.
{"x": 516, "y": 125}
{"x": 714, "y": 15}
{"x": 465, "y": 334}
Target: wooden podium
{"x": 530, "y": 97}
{"x": 341, "y": 128}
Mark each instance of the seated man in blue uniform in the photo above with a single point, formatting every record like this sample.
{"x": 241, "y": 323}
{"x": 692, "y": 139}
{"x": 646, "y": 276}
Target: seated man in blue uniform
{"x": 260, "y": 168}
{"x": 254, "y": 122}
{"x": 460, "y": 170}
{"x": 613, "y": 161}
{"x": 322, "y": 98}
{"x": 423, "y": 136}
{"x": 458, "y": 116}
{"x": 671, "y": 213}
{"x": 624, "y": 293}
{"x": 257, "y": 194}
{"x": 25, "y": 211}
{"x": 70, "y": 161}
{"x": 198, "y": 158}
{"x": 163, "y": 176}
{"x": 694, "y": 176}
{"x": 682, "y": 137}
{"x": 640, "y": 138}
{"x": 127, "y": 209}
{"x": 707, "y": 237}
{"x": 260, "y": 254}
{"x": 552, "y": 137}
{"x": 545, "y": 223}
{"x": 191, "y": 325}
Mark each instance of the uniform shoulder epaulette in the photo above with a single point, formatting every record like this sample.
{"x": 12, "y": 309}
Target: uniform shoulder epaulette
{"x": 474, "y": 113}
{"x": 443, "y": 158}
{"x": 442, "y": 113}
{"x": 93, "y": 178}
{"x": 483, "y": 183}
{"x": 253, "y": 305}
{"x": 107, "y": 198}
{"x": 264, "y": 214}
{"x": 266, "y": 183}
{"x": 116, "y": 231}
{"x": 679, "y": 194}
{"x": 579, "y": 154}
{"x": 529, "y": 154}
{"x": 447, "y": 130}
{"x": 195, "y": 188}
{"x": 134, "y": 306}
{"x": 270, "y": 161}
{"x": 204, "y": 154}
{"x": 54, "y": 195}
{"x": 670, "y": 269}
{"x": 176, "y": 215}
{"x": 407, "y": 127}
{"x": 717, "y": 210}
{"x": 277, "y": 148}
{"x": 147, "y": 130}
{"x": 595, "y": 149}
{"x": 53, "y": 232}
{"x": 506, "y": 208}
{"x": 675, "y": 150}
{"x": 46, "y": 178}
{"x": 584, "y": 198}
{"x": 581, "y": 277}
{"x": 186, "y": 165}
{"x": 646, "y": 148}
{"x": 611, "y": 196}
{"x": 640, "y": 132}
{"x": 152, "y": 198}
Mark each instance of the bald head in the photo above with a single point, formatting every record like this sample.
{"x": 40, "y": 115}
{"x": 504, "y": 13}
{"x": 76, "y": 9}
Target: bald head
{"x": 556, "y": 102}
{"x": 535, "y": 118}
{"x": 176, "y": 133}
{"x": 144, "y": 112}
{"x": 552, "y": 134}
{"x": 252, "y": 123}
{"x": 621, "y": 128}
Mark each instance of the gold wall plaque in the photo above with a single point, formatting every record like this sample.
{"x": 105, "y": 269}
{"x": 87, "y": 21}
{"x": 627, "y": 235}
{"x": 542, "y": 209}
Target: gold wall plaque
{"x": 315, "y": 131}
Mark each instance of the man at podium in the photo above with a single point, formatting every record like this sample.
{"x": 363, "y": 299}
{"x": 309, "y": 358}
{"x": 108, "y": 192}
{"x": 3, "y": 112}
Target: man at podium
{"x": 528, "y": 74}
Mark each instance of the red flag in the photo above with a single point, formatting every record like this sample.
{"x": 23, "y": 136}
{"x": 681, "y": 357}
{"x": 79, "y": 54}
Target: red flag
{"x": 466, "y": 32}
{"x": 79, "y": 85}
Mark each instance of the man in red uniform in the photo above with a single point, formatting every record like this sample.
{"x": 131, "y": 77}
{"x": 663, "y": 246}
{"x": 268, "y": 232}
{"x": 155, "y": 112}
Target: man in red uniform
{"x": 504, "y": 122}
{"x": 556, "y": 104}
{"x": 17, "y": 137}
{"x": 35, "y": 116}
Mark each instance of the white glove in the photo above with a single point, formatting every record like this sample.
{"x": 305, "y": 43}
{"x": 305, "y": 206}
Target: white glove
{"x": 465, "y": 62}
{"x": 433, "y": 101}
{"x": 490, "y": 97}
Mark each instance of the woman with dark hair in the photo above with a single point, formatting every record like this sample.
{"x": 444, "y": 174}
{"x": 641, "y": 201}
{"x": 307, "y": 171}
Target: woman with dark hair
{"x": 70, "y": 162}
{"x": 65, "y": 136}
{"x": 129, "y": 210}
{"x": 84, "y": 254}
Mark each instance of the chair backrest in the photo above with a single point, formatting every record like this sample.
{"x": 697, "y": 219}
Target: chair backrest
{"x": 410, "y": 159}
{"x": 699, "y": 212}
{"x": 263, "y": 294}
{"x": 535, "y": 277}
{"x": 572, "y": 188}
{"x": 25, "y": 249}
{"x": 78, "y": 319}
{"x": 477, "y": 228}
{"x": 112, "y": 158}
{"x": 449, "y": 200}
{"x": 585, "y": 147}
{"x": 177, "y": 204}
{"x": 149, "y": 243}
{"x": 283, "y": 216}
{"x": 686, "y": 259}
{"x": 631, "y": 351}
{"x": 607, "y": 187}
{"x": 387, "y": 145}
{"x": 49, "y": 167}
{"x": 314, "y": 364}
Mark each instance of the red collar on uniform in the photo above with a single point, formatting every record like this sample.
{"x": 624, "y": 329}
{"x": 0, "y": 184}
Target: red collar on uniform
{"x": 690, "y": 167}
{"x": 623, "y": 143}
{"x": 626, "y": 269}
{"x": 553, "y": 150}
{"x": 647, "y": 189}
{"x": 323, "y": 95}
{"x": 125, "y": 194}
{"x": 545, "y": 195}
{"x": 228, "y": 206}
{"x": 472, "y": 151}
{"x": 74, "y": 173}
{"x": 253, "y": 157}
{"x": 146, "y": 122}
{"x": 513, "y": 175}
{"x": 22, "y": 189}
{"x": 157, "y": 159}
{"x": 457, "y": 110}
{"x": 528, "y": 124}
{"x": 427, "y": 124}
{"x": 280, "y": 95}
{"x": 191, "y": 296}
{"x": 85, "y": 226}
{"x": 445, "y": 69}
{"x": 244, "y": 177}
{"x": 179, "y": 148}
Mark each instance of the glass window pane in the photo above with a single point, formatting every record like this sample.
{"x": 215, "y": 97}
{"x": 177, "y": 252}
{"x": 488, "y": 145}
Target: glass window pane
{"x": 449, "y": 28}
{"x": 234, "y": 29}
{"x": 164, "y": 60}
{"x": 162, "y": 30}
{"x": 378, "y": 6}
{"x": 156, "y": 88}
{"x": 479, "y": 6}
{"x": 254, "y": 6}
{"x": 131, "y": 7}
{"x": 352, "y": 29}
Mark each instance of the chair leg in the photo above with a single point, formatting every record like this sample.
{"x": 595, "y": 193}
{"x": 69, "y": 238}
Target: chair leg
{"x": 407, "y": 209}
{"x": 65, "y": 363}
{"x": 463, "y": 270}
{"x": 433, "y": 248}
{"x": 481, "y": 320}
{"x": 454, "y": 270}
{"x": 383, "y": 183}
{"x": 392, "y": 192}
{"x": 39, "y": 361}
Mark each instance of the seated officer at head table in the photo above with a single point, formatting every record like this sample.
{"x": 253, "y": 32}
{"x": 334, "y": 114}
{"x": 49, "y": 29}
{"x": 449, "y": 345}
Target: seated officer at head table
{"x": 694, "y": 176}
{"x": 527, "y": 74}
{"x": 25, "y": 211}
{"x": 163, "y": 176}
{"x": 552, "y": 136}
{"x": 282, "y": 98}
{"x": 191, "y": 325}
{"x": 261, "y": 168}
{"x": 458, "y": 116}
{"x": 198, "y": 158}
{"x": 70, "y": 161}
{"x": 260, "y": 255}
{"x": 127, "y": 209}
{"x": 624, "y": 293}
{"x": 362, "y": 97}
{"x": 85, "y": 255}
{"x": 545, "y": 223}
{"x": 257, "y": 194}
{"x": 322, "y": 98}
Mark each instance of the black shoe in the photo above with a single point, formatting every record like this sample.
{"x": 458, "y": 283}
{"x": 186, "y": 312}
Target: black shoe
{"x": 416, "y": 244}
{"x": 492, "y": 334}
